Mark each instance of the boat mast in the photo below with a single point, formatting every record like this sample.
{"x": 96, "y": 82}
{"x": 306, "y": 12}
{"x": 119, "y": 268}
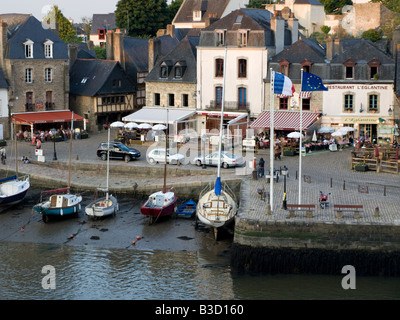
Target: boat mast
{"x": 108, "y": 160}
{"x": 70, "y": 151}
{"x": 165, "y": 164}
{"x": 222, "y": 118}
{"x": 16, "y": 150}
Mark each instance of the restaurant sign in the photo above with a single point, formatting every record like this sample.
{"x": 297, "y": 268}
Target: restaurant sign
{"x": 360, "y": 120}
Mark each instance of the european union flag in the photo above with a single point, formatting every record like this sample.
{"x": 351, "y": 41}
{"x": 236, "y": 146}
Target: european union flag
{"x": 311, "y": 82}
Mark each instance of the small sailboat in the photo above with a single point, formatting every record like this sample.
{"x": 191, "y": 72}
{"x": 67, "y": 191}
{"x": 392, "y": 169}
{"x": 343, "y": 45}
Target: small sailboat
{"x": 161, "y": 203}
{"x": 61, "y": 203}
{"x": 217, "y": 206}
{"x": 13, "y": 189}
{"x": 107, "y": 205}
{"x": 186, "y": 209}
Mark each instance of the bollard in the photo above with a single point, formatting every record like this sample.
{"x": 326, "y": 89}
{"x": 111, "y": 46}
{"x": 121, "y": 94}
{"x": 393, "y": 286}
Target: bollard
{"x": 376, "y": 212}
{"x": 331, "y": 182}
{"x": 344, "y": 185}
{"x": 268, "y": 212}
{"x": 77, "y": 157}
{"x": 384, "y": 191}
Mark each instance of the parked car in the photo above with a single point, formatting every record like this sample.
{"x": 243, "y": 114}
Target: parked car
{"x": 117, "y": 151}
{"x": 158, "y": 155}
{"x": 227, "y": 160}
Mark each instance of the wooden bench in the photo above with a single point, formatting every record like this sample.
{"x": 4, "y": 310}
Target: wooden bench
{"x": 308, "y": 208}
{"x": 340, "y": 208}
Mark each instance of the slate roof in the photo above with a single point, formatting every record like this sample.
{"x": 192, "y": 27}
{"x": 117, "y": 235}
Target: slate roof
{"x": 308, "y": 49}
{"x": 360, "y": 50}
{"x": 185, "y": 53}
{"x": 3, "y": 81}
{"x": 32, "y": 29}
{"x": 103, "y": 21}
{"x": 311, "y": 2}
{"x": 185, "y": 13}
{"x": 95, "y": 77}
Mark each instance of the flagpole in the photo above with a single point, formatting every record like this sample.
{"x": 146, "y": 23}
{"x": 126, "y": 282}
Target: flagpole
{"x": 301, "y": 129}
{"x": 271, "y": 142}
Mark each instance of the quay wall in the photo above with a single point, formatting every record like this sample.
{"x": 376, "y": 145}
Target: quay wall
{"x": 281, "y": 245}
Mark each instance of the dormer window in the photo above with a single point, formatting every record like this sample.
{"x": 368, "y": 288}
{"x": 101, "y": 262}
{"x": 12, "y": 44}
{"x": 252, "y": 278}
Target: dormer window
{"x": 306, "y": 66}
{"x": 165, "y": 68}
{"x": 349, "y": 68}
{"x": 197, "y": 15}
{"x": 220, "y": 37}
{"x": 243, "y": 37}
{"x": 284, "y": 67}
{"x": 48, "y": 49}
{"x": 28, "y": 49}
{"x": 180, "y": 68}
{"x": 374, "y": 69}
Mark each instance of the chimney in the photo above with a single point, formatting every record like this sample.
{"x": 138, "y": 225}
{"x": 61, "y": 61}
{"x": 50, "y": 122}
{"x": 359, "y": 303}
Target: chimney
{"x": 278, "y": 27}
{"x": 293, "y": 24}
{"x": 154, "y": 51}
{"x": 3, "y": 42}
{"x": 396, "y": 40}
{"x": 115, "y": 46}
{"x": 330, "y": 51}
{"x": 72, "y": 54}
{"x": 171, "y": 30}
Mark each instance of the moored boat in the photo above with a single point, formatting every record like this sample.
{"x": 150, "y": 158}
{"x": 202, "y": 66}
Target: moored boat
{"x": 13, "y": 189}
{"x": 159, "y": 204}
{"x": 186, "y": 209}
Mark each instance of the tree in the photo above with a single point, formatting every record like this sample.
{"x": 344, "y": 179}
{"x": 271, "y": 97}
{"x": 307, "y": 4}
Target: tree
{"x": 371, "y": 34}
{"x": 393, "y": 5}
{"x": 173, "y": 8}
{"x": 66, "y": 31}
{"x": 335, "y": 6}
{"x": 258, "y": 4}
{"x": 142, "y": 18}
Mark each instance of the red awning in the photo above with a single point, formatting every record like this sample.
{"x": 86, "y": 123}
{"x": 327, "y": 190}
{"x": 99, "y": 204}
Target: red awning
{"x": 45, "y": 117}
{"x": 285, "y": 120}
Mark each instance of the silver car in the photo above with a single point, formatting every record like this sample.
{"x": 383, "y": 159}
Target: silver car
{"x": 227, "y": 160}
{"x": 158, "y": 155}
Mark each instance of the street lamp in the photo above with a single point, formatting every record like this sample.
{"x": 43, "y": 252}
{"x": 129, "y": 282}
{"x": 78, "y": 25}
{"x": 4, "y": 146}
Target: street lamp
{"x": 204, "y": 139}
{"x": 284, "y": 173}
{"x": 54, "y": 141}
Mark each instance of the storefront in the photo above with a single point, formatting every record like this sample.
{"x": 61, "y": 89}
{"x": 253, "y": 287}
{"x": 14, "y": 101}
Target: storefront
{"x": 235, "y": 122}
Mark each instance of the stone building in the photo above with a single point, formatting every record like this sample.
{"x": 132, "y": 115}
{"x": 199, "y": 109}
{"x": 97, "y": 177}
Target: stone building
{"x": 35, "y": 62}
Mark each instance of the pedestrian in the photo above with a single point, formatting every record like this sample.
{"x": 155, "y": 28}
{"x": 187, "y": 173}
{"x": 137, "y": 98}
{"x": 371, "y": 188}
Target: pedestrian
{"x": 3, "y": 155}
{"x": 261, "y": 168}
{"x": 38, "y": 144}
{"x": 277, "y": 152}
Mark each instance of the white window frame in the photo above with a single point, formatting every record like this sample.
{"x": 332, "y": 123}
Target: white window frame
{"x": 48, "y": 49}
{"x": 243, "y": 36}
{"x": 48, "y": 75}
{"x": 197, "y": 15}
{"x": 28, "y": 75}
{"x": 221, "y": 36}
{"x": 28, "y": 46}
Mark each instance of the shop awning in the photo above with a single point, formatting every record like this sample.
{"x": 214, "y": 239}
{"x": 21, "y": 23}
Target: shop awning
{"x": 30, "y": 118}
{"x": 157, "y": 115}
{"x": 285, "y": 120}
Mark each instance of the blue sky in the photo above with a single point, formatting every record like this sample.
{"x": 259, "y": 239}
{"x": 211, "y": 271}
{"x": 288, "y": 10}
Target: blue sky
{"x": 75, "y": 9}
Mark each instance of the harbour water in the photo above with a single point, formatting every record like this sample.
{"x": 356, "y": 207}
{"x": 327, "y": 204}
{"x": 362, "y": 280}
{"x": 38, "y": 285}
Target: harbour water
{"x": 171, "y": 261}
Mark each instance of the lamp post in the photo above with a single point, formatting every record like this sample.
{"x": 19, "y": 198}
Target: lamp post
{"x": 54, "y": 141}
{"x": 204, "y": 139}
{"x": 284, "y": 173}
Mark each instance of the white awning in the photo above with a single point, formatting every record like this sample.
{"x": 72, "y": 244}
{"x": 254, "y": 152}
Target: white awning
{"x": 157, "y": 115}
{"x": 244, "y": 115}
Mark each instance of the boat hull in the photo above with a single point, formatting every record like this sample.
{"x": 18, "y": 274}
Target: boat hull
{"x": 102, "y": 207}
{"x": 186, "y": 210}
{"x": 13, "y": 191}
{"x": 161, "y": 210}
{"x": 53, "y": 209}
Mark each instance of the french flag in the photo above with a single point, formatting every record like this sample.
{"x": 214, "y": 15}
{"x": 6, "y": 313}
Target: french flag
{"x": 283, "y": 85}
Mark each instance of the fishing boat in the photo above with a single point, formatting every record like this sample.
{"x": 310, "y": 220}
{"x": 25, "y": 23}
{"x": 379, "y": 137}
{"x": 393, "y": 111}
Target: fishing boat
{"x": 186, "y": 209}
{"x": 217, "y": 206}
{"x": 107, "y": 205}
{"x": 60, "y": 203}
{"x": 161, "y": 203}
{"x": 13, "y": 189}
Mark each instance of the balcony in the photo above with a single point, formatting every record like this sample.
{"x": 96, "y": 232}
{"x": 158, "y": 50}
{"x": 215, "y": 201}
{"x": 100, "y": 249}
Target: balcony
{"x": 50, "y": 106}
{"x": 228, "y": 106}
{"x": 29, "y": 107}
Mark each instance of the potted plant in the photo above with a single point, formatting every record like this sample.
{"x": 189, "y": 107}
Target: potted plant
{"x": 3, "y": 143}
{"x": 289, "y": 151}
{"x": 361, "y": 166}
{"x": 84, "y": 134}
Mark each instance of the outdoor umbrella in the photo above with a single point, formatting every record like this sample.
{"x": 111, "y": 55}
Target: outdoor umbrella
{"x": 117, "y": 124}
{"x": 337, "y": 133}
{"x": 145, "y": 126}
{"x": 131, "y": 125}
{"x": 159, "y": 127}
{"x": 314, "y": 137}
{"x": 294, "y": 135}
{"x": 326, "y": 130}
{"x": 346, "y": 129}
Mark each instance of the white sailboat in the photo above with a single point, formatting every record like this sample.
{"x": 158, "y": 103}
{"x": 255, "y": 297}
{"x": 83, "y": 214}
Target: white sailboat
{"x": 107, "y": 205}
{"x": 217, "y": 206}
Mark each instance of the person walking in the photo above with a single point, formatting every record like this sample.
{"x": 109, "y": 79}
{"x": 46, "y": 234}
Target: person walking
{"x": 277, "y": 152}
{"x": 261, "y": 168}
{"x": 3, "y": 155}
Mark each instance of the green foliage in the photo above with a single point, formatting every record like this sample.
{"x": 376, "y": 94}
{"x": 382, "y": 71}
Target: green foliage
{"x": 372, "y": 35}
{"x": 142, "y": 17}
{"x": 393, "y": 5}
{"x": 66, "y": 31}
{"x": 258, "y": 4}
{"x": 335, "y": 6}
{"x": 325, "y": 29}
{"x": 100, "y": 52}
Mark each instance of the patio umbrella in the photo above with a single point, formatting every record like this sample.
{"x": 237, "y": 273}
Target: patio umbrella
{"x": 159, "y": 127}
{"x": 131, "y": 125}
{"x": 294, "y": 135}
{"x": 337, "y": 133}
{"x": 145, "y": 126}
{"x": 117, "y": 124}
{"x": 346, "y": 129}
{"x": 326, "y": 130}
{"x": 314, "y": 137}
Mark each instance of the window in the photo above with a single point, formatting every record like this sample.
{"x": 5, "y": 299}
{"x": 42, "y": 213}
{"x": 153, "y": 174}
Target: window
{"x": 171, "y": 100}
{"x": 242, "y": 68}
{"x": 84, "y": 80}
{"x": 306, "y": 66}
{"x": 164, "y": 72}
{"x": 306, "y": 104}
{"x": 48, "y": 75}
{"x": 49, "y": 100}
{"x": 348, "y": 102}
{"x": 197, "y": 15}
{"x": 219, "y": 67}
{"x": 48, "y": 49}
{"x": 221, "y": 36}
{"x": 284, "y": 67}
{"x": 349, "y": 72}
{"x": 156, "y": 99}
{"x": 373, "y": 103}
{"x": 349, "y": 68}
{"x": 185, "y": 100}
{"x": 117, "y": 83}
{"x": 28, "y": 76}
{"x": 102, "y": 34}
{"x": 283, "y": 103}
{"x": 178, "y": 72}
{"x": 218, "y": 97}
{"x": 243, "y": 35}
{"x": 28, "y": 49}
{"x": 373, "y": 68}
{"x": 242, "y": 98}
